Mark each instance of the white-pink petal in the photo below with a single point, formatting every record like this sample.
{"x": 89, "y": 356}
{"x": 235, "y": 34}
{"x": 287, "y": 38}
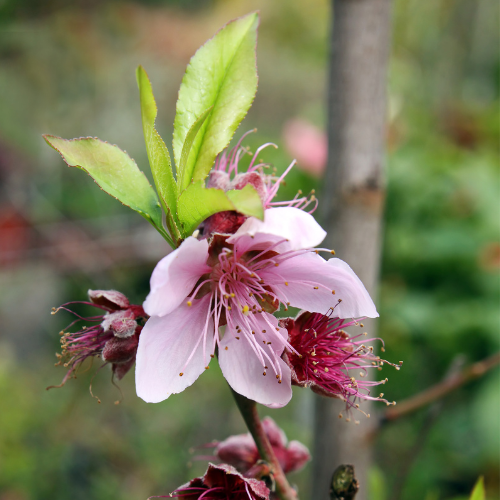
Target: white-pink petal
{"x": 292, "y": 224}
{"x": 308, "y": 281}
{"x": 175, "y": 276}
{"x": 244, "y": 373}
{"x": 165, "y": 346}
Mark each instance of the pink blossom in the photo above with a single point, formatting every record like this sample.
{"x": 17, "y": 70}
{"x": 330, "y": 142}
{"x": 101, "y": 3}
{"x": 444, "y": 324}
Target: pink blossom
{"x": 308, "y": 144}
{"x": 222, "y": 293}
{"x": 226, "y": 176}
{"x": 330, "y": 361}
{"x": 222, "y": 482}
{"x": 241, "y": 452}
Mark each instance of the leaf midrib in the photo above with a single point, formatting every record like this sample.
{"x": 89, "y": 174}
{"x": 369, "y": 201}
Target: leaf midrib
{"x": 209, "y": 121}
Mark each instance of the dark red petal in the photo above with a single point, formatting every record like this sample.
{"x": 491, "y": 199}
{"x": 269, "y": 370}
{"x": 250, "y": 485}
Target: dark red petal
{"x": 118, "y": 350}
{"x": 110, "y": 299}
{"x": 120, "y": 370}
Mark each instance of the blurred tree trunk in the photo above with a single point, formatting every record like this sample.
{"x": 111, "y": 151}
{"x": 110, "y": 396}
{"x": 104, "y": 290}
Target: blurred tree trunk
{"x": 353, "y": 199}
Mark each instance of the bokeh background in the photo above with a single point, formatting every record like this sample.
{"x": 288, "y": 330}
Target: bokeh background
{"x": 68, "y": 68}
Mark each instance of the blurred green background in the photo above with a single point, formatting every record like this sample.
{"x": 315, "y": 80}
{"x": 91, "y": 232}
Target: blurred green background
{"x": 68, "y": 68}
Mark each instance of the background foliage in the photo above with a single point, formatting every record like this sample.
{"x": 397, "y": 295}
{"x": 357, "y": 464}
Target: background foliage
{"x": 69, "y": 69}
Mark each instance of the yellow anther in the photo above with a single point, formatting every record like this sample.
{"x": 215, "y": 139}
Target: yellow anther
{"x": 245, "y": 310}
{"x": 332, "y": 252}
{"x": 181, "y": 374}
{"x": 189, "y": 303}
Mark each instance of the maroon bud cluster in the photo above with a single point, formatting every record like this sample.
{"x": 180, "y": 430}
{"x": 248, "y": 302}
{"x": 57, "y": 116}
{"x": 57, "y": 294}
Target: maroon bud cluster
{"x": 113, "y": 335}
{"x": 241, "y": 452}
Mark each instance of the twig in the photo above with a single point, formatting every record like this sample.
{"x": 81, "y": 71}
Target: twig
{"x": 441, "y": 389}
{"x": 407, "y": 461}
{"x": 248, "y": 410}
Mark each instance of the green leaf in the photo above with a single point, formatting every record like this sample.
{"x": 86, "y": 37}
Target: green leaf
{"x": 197, "y": 203}
{"x": 114, "y": 171}
{"x": 478, "y": 492}
{"x": 188, "y": 143}
{"x": 222, "y": 74}
{"x": 247, "y": 201}
{"x": 159, "y": 158}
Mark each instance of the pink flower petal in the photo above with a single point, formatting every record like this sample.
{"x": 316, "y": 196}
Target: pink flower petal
{"x": 165, "y": 346}
{"x": 296, "y": 457}
{"x": 239, "y": 451}
{"x": 275, "y": 434}
{"x": 175, "y": 276}
{"x": 289, "y": 223}
{"x": 305, "y": 272}
{"x": 244, "y": 373}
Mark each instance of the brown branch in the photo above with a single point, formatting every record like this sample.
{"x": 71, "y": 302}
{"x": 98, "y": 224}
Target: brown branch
{"x": 441, "y": 389}
{"x": 248, "y": 410}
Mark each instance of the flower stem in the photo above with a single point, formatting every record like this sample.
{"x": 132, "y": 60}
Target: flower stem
{"x": 248, "y": 410}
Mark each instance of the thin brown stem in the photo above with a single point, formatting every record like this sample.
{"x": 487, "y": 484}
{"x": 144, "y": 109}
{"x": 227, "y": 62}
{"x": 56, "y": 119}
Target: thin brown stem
{"x": 248, "y": 410}
{"x": 441, "y": 389}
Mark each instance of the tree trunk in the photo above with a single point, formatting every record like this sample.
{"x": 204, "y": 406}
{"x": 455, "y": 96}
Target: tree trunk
{"x": 352, "y": 200}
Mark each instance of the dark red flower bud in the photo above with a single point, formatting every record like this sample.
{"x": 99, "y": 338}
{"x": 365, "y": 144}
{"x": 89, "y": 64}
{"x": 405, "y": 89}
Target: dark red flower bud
{"x": 120, "y": 350}
{"x": 241, "y": 452}
{"x": 222, "y": 482}
{"x": 114, "y": 335}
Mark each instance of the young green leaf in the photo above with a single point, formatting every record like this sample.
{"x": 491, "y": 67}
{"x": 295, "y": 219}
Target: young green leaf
{"x": 188, "y": 143}
{"x": 197, "y": 203}
{"x": 247, "y": 201}
{"x": 478, "y": 492}
{"x": 114, "y": 171}
{"x": 222, "y": 74}
{"x": 159, "y": 158}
